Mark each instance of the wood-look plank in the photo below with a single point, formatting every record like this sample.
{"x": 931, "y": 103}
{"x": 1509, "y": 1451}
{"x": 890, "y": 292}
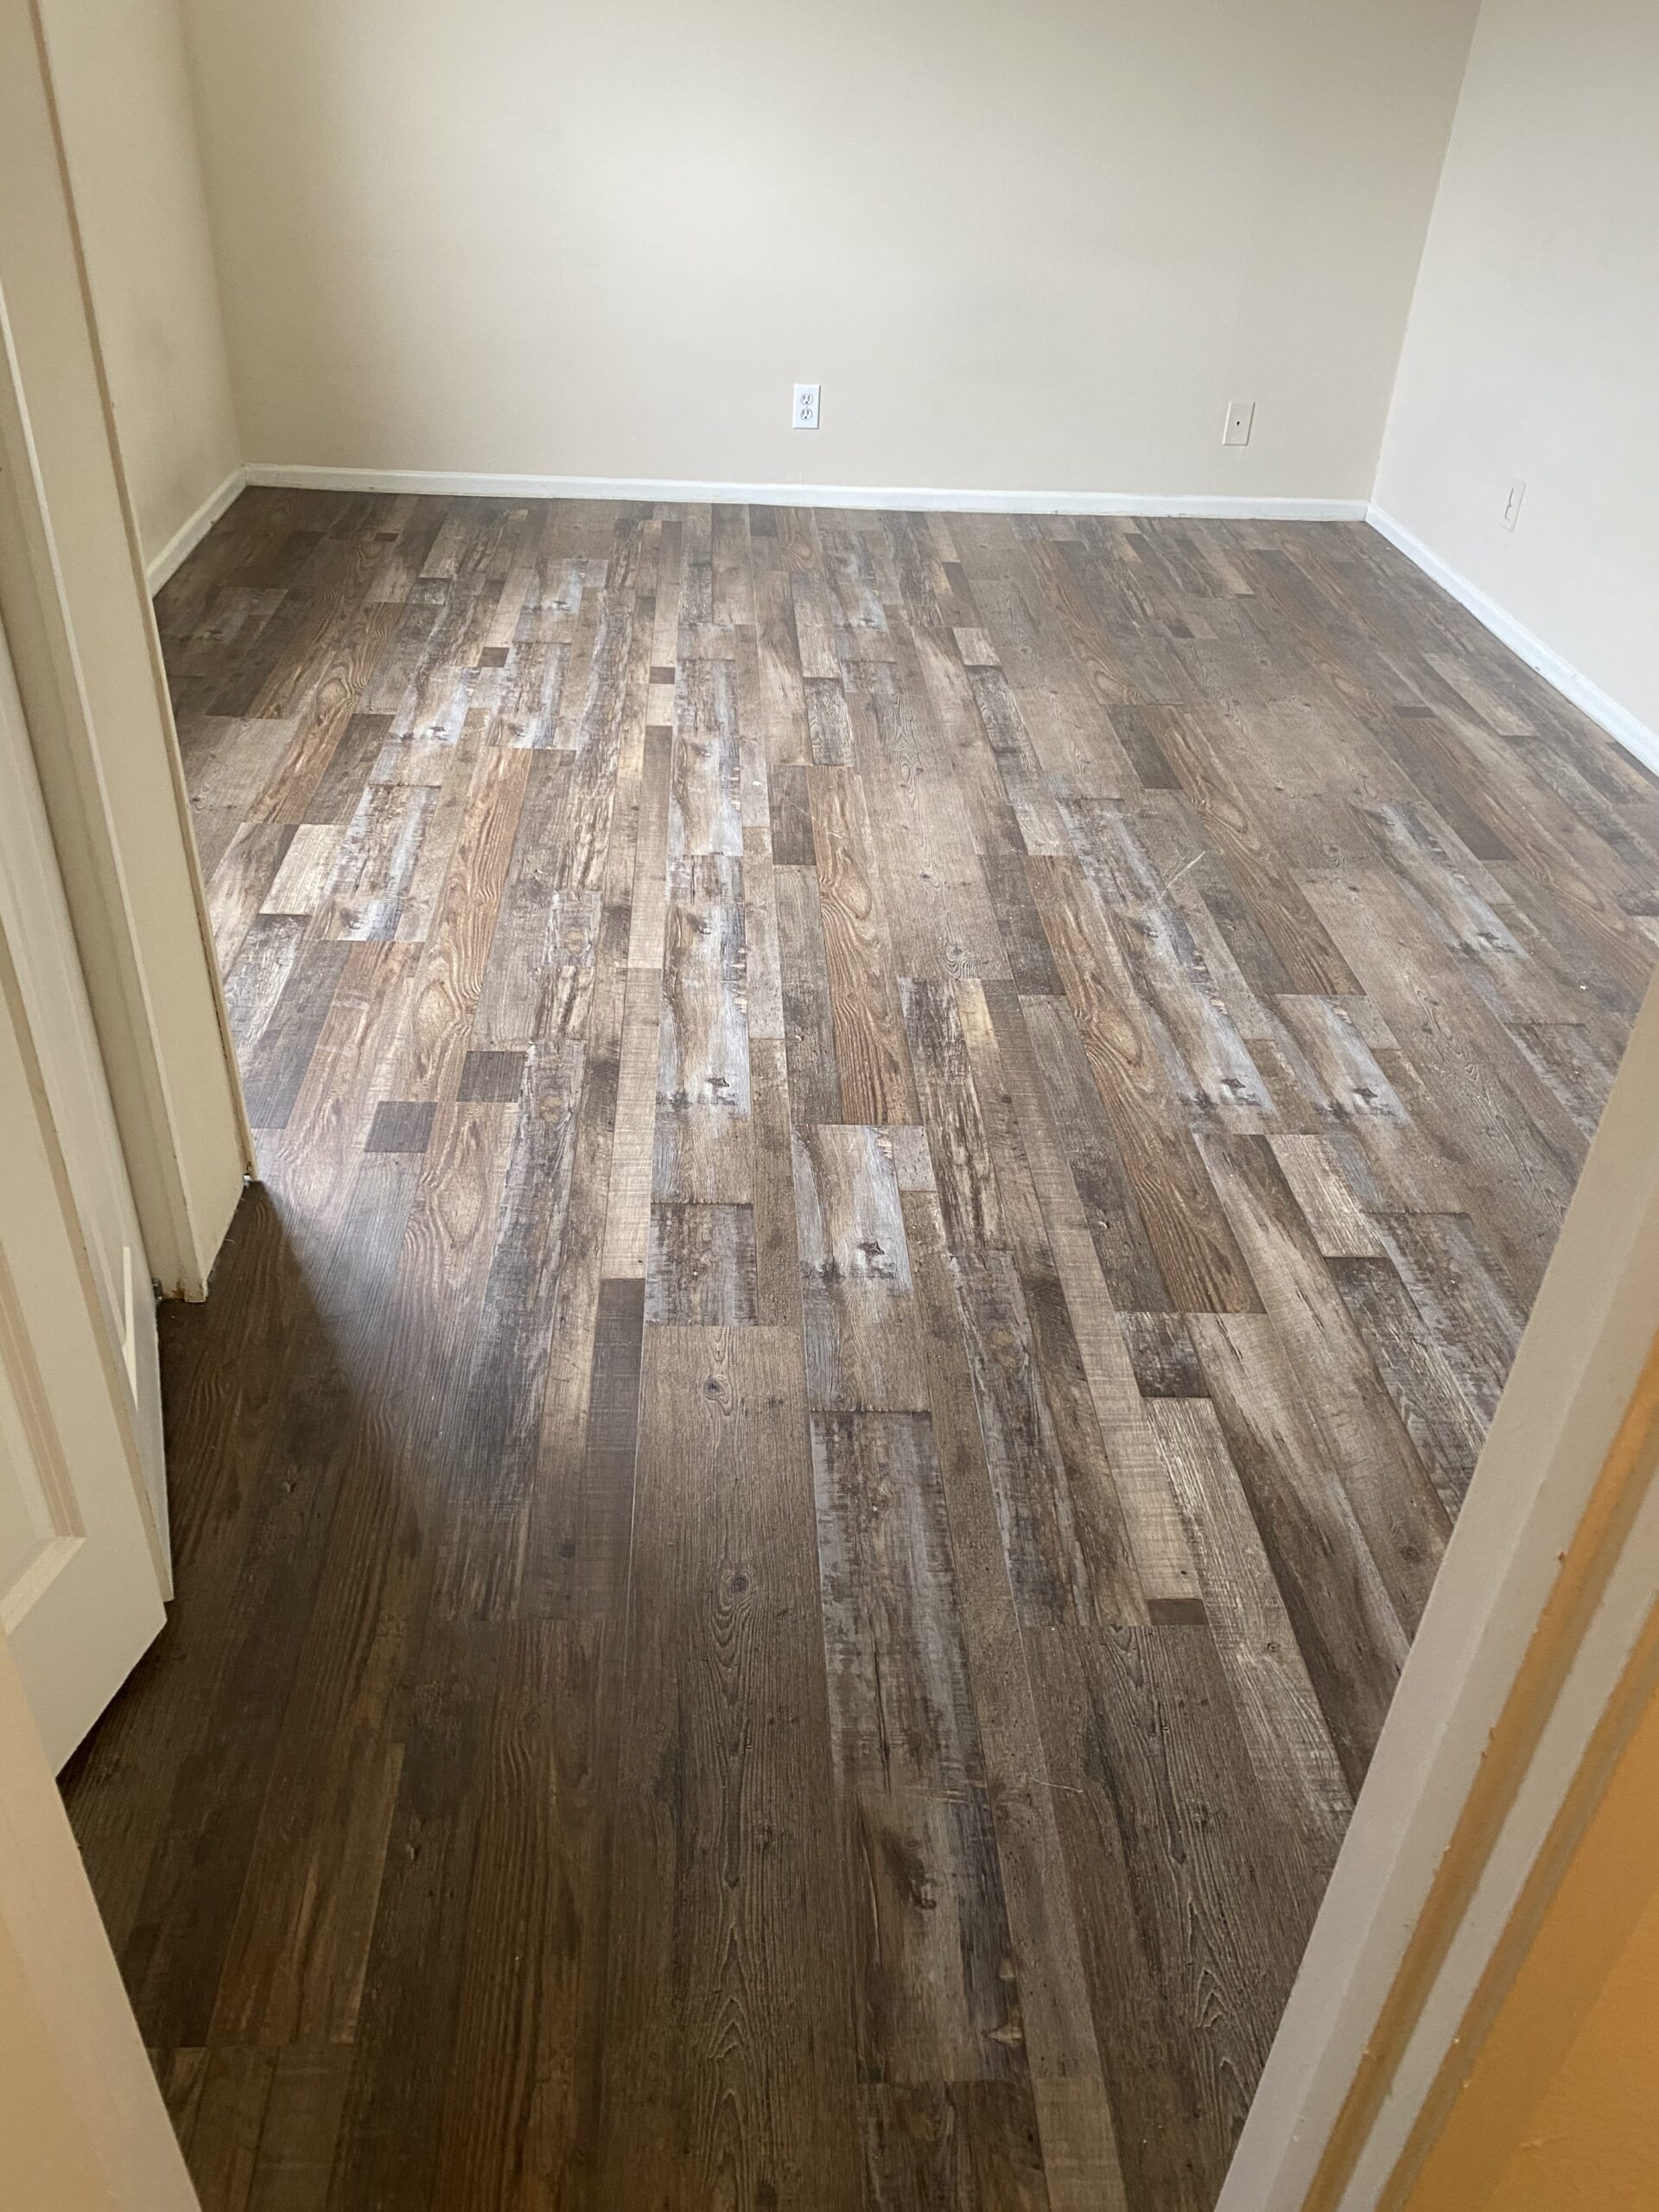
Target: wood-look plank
{"x": 1074, "y": 2119}
{"x": 553, "y": 1578}
{"x": 861, "y": 1347}
{"x": 296, "y": 1954}
{"x": 1336, "y": 1220}
{"x": 1394, "y": 1501}
{"x": 254, "y": 981}
{"x": 702, "y": 1149}
{"x": 702, "y": 1269}
{"x": 1193, "y": 1907}
{"x": 962, "y": 2146}
{"x": 1271, "y": 893}
{"x": 808, "y": 1024}
{"x": 963, "y": 1172}
{"x": 1195, "y": 1249}
{"x": 277, "y": 1063}
{"x": 402, "y": 2052}
{"x": 871, "y": 1053}
{"x": 933, "y": 1985}
{"x": 1345, "y": 1624}
{"x": 533, "y": 1955}
{"x": 515, "y": 974}
{"x": 1290, "y": 1744}
{"x": 714, "y": 2019}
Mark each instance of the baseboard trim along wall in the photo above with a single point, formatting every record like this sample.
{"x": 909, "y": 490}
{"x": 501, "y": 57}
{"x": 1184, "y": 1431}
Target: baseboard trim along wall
{"x": 1200, "y": 506}
{"x": 1637, "y": 739}
{"x": 185, "y": 540}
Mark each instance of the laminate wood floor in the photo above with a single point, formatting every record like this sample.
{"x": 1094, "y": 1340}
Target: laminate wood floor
{"x": 903, "y": 1156}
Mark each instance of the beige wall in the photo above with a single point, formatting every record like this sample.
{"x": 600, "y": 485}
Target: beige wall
{"x": 1034, "y": 247}
{"x": 129, "y": 129}
{"x": 1532, "y": 345}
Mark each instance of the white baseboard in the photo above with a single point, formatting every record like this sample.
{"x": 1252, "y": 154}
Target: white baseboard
{"x": 185, "y": 540}
{"x": 1199, "y": 506}
{"x": 1637, "y": 739}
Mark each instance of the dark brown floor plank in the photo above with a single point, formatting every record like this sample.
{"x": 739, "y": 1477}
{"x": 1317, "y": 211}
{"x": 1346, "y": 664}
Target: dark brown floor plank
{"x": 517, "y": 2113}
{"x": 728, "y": 1982}
{"x": 1192, "y": 1894}
{"x": 934, "y": 1982}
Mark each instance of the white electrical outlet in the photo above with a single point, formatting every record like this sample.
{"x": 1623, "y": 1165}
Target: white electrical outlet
{"x": 805, "y": 416}
{"x": 1512, "y": 504}
{"x": 1240, "y": 421}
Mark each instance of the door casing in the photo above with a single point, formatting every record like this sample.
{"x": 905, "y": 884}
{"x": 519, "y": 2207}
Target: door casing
{"x": 89, "y": 669}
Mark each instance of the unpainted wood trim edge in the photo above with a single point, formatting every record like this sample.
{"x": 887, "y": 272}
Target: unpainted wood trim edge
{"x": 1196, "y": 506}
{"x": 1574, "y": 686}
{"x": 1626, "y": 1475}
{"x": 1623, "y": 1714}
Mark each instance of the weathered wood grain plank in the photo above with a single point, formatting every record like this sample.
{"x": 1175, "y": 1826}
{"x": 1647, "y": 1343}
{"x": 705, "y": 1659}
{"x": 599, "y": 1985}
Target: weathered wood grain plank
{"x": 714, "y": 2021}
{"x": 870, "y": 1048}
{"x": 1197, "y": 1255}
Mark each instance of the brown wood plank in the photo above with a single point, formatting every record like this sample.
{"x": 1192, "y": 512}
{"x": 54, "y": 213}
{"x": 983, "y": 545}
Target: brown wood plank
{"x": 1193, "y": 1908}
{"x": 1395, "y": 1504}
{"x": 808, "y": 1024}
{"x": 702, "y": 1149}
{"x": 1074, "y": 2119}
{"x": 935, "y": 1994}
{"x": 961, "y": 2146}
{"x": 870, "y": 1048}
{"x": 714, "y": 2022}
{"x": 533, "y": 1956}
{"x": 1199, "y": 1259}
{"x": 701, "y": 1269}
{"x": 861, "y": 1348}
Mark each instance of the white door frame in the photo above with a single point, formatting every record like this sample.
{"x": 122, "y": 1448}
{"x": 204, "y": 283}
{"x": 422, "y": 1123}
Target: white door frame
{"x": 89, "y": 669}
{"x": 1546, "y": 1592}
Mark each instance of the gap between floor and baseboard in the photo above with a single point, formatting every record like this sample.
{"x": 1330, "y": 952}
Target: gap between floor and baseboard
{"x": 1637, "y": 739}
{"x": 185, "y": 540}
{"x": 902, "y": 499}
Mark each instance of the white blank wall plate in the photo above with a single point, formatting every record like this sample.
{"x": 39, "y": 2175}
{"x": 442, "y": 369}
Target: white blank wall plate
{"x": 1240, "y": 421}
